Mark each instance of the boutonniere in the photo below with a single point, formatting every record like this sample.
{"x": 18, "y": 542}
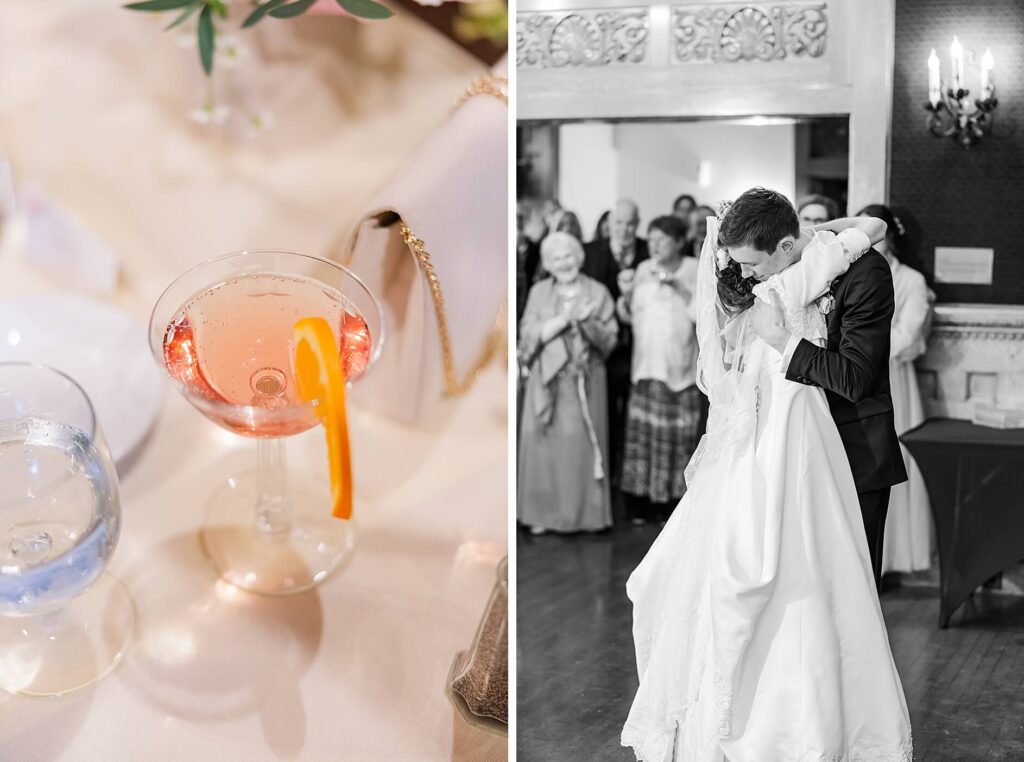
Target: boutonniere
{"x": 827, "y": 301}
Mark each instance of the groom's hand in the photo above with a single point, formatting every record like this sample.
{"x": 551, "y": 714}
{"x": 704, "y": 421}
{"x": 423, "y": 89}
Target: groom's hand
{"x": 769, "y": 324}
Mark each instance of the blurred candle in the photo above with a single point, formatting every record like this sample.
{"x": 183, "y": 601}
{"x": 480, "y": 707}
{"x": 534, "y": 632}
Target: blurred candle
{"x": 987, "y": 64}
{"x": 956, "y": 51}
{"x": 934, "y": 81}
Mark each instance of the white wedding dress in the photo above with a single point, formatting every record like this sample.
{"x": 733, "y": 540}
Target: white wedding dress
{"x": 758, "y": 632}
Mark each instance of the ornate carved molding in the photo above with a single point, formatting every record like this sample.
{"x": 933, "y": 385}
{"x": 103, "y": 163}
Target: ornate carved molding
{"x": 748, "y": 32}
{"x": 582, "y": 38}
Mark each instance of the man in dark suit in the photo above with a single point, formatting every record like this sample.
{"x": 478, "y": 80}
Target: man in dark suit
{"x": 622, "y": 251}
{"x": 612, "y": 262}
{"x": 853, "y": 367}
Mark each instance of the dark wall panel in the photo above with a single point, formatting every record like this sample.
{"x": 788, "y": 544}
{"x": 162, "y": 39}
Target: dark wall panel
{"x": 949, "y": 196}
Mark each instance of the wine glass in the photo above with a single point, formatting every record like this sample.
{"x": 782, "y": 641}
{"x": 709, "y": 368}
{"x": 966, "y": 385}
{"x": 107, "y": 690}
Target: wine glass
{"x": 64, "y": 622}
{"x": 224, "y": 333}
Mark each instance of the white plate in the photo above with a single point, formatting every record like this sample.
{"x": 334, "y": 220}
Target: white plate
{"x": 99, "y": 346}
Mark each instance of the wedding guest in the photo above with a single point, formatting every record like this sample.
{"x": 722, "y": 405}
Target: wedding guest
{"x": 697, "y": 229}
{"x": 816, "y": 209}
{"x": 567, "y": 331}
{"x": 908, "y": 528}
{"x": 535, "y": 222}
{"x": 606, "y": 259}
{"x": 523, "y": 258}
{"x": 682, "y": 207}
{"x": 550, "y": 210}
{"x": 527, "y": 251}
{"x": 562, "y": 222}
{"x": 601, "y": 229}
{"x": 612, "y": 264}
{"x": 665, "y": 405}
{"x": 568, "y": 222}
{"x": 522, "y": 279}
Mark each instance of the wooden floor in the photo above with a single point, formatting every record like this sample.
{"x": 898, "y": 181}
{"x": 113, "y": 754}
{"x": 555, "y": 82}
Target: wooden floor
{"x": 576, "y": 673}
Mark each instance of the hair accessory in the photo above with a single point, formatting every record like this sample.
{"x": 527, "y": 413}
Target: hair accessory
{"x": 723, "y": 209}
{"x": 899, "y": 225}
{"x": 723, "y": 259}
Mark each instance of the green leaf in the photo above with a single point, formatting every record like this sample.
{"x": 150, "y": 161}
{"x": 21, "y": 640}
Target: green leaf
{"x": 158, "y": 5}
{"x": 292, "y": 9}
{"x": 219, "y": 7}
{"x": 207, "y": 41}
{"x": 261, "y": 11}
{"x": 183, "y": 17}
{"x": 366, "y": 9}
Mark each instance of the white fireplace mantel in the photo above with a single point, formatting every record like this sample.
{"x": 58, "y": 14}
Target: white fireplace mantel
{"x": 975, "y": 355}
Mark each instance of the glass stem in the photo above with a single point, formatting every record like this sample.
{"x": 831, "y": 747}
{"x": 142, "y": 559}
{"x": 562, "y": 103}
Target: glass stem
{"x": 273, "y": 510}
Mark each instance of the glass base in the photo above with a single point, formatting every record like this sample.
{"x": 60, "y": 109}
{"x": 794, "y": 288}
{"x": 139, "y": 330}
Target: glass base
{"x": 61, "y": 651}
{"x": 275, "y": 562}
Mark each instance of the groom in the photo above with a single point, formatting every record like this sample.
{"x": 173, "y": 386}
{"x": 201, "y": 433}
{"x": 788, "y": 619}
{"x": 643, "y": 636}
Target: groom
{"x": 853, "y": 368}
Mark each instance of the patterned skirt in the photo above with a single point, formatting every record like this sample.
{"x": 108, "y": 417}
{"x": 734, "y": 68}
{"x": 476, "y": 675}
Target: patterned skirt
{"x": 662, "y": 431}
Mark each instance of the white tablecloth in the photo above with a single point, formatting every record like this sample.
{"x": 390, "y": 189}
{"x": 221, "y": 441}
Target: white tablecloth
{"x": 92, "y": 103}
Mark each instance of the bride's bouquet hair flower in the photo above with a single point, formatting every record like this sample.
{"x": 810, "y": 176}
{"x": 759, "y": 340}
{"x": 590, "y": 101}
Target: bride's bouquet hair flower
{"x": 722, "y": 209}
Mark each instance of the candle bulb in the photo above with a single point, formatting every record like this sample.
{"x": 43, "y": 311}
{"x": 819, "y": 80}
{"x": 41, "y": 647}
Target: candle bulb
{"x": 956, "y": 52}
{"x": 987, "y": 64}
{"x": 934, "y": 80}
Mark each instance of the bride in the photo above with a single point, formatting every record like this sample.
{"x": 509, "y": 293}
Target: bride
{"x": 758, "y": 632}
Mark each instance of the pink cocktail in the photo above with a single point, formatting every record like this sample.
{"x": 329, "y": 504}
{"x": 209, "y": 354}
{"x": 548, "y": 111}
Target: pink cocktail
{"x": 223, "y": 331}
{"x": 231, "y": 344}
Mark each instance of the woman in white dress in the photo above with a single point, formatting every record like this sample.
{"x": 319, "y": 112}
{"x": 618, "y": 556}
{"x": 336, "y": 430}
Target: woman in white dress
{"x": 757, "y": 628}
{"x": 907, "y": 545}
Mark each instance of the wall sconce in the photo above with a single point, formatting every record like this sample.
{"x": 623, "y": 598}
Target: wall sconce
{"x": 951, "y": 112}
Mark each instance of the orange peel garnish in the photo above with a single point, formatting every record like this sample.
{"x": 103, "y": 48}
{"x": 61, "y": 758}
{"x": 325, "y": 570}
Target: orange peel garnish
{"x": 320, "y": 380}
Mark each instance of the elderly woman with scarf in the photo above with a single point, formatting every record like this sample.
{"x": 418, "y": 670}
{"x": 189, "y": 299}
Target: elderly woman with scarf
{"x": 567, "y": 330}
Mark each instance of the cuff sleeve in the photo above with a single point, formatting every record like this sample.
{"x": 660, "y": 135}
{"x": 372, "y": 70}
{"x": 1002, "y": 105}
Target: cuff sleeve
{"x": 855, "y": 243}
{"x": 787, "y": 356}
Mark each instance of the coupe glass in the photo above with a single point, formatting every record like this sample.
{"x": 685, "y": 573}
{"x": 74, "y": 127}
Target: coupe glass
{"x": 223, "y": 331}
{"x": 64, "y": 622}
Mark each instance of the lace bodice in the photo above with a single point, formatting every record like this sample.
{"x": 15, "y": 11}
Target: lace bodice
{"x": 806, "y": 321}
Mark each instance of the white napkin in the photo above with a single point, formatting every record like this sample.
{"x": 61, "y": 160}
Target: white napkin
{"x": 453, "y": 195}
{"x": 7, "y": 199}
{"x": 8, "y": 205}
{"x": 63, "y": 248}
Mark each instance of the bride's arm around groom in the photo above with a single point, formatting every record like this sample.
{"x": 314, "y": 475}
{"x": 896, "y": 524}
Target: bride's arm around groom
{"x": 853, "y": 365}
{"x": 836, "y": 246}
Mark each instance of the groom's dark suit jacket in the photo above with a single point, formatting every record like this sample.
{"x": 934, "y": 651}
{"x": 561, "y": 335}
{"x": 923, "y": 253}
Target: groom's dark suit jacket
{"x": 853, "y": 369}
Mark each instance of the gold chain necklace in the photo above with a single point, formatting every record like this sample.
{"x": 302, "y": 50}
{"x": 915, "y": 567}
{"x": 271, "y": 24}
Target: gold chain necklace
{"x": 495, "y": 85}
{"x": 496, "y": 344}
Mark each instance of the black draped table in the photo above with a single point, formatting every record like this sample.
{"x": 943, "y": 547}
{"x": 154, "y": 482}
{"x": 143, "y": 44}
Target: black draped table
{"x": 975, "y": 480}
